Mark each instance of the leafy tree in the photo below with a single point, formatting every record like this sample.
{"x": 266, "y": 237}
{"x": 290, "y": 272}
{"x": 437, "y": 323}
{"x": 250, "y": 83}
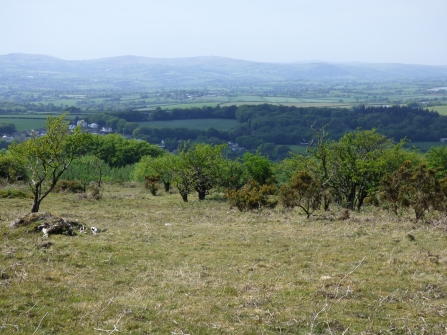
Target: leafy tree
{"x": 355, "y": 165}
{"x": 163, "y": 166}
{"x": 201, "y": 163}
{"x": 117, "y": 151}
{"x": 12, "y": 168}
{"x": 259, "y": 168}
{"x": 437, "y": 159}
{"x": 231, "y": 175}
{"x": 47, "y": 157}
{"x": 183, "y": 178}
{"x": 288, "y": 167}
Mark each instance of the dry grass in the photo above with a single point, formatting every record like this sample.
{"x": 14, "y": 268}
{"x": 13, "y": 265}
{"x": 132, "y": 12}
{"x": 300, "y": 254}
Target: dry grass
{"x": 168, "y": 267}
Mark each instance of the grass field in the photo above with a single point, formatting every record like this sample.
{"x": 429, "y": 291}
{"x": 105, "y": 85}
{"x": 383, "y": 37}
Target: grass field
{"x": 442, "y": 110}
{"x": 202, "y": 124}
{"x": 26, "y": 122}
{"x": 167, "y": 267}
{"x": 23, "y": 124}
{"x": 298, "y": 149}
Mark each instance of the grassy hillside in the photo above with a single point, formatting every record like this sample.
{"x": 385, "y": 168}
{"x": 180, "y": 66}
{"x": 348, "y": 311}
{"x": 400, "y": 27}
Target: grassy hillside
{"x": 168, "y": 267}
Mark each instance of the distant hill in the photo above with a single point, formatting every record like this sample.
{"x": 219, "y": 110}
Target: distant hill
{"x": 27, "y": 70}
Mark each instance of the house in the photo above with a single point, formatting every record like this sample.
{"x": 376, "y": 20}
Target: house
{"x": 106, "y": 129}
{"x": 93, "y": 125}
{"x": 82, "y": 123}
{"x": 443, "y": 140}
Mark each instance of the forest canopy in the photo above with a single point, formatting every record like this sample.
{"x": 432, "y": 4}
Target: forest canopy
{"x": 285, "y": 125}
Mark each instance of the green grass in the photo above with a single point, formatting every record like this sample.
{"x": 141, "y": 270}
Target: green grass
{"x": 27, "y": 121}
{"x": 23, "y": 124}
{"x": 165, "y": 267}
{"x": 201, "y": 124}
{"x": 298, "y": 149}
{"x": 442, "y": 110}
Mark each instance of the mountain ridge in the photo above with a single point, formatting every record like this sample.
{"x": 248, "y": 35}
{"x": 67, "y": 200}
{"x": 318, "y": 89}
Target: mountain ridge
{"x": 136, "y": 71}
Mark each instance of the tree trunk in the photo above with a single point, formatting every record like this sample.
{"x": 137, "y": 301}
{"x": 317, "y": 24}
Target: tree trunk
{"x": 167, "y": 186}
{"x": 202, "y": 195}
{"x": 35, "y": 207}
{"x": 185, "y": 197}
{"x": 326, "y": 203}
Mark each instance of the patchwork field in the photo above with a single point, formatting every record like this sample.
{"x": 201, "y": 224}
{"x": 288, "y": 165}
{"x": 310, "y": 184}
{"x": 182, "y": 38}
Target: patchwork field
{"x": 161, "y": 266}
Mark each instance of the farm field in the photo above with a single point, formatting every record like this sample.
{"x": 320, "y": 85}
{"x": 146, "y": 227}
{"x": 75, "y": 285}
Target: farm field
{"x": 26, "y": 122}
{"x": 161, "y": 266}
{"x": 23, "y": 124}
{"x": 201, "y": 124}
{"x": 442, "y": 110}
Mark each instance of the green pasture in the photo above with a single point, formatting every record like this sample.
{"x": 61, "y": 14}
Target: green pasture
{"x": 201, "y": 124}
{"x": 26, "y": 122}
{"x": 23, "y": 124}
{"x": 298, "y": 149}
{"x": 442, "y": 110}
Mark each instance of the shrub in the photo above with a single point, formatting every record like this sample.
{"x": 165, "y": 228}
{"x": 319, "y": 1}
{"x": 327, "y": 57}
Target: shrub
{"x": 11, "y": 193}
{"x": 252, "y": 196}
{"x": 71, "y": 186}
{"x": 417, "y": 188}
{"x": 304, "y": 191}
{"x": 152, "y": 183}
{"x": 95, "y": 193}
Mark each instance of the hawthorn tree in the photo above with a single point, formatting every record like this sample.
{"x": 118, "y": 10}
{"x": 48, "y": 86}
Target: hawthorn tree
{"x": 199, "y": 165}
{"x": 47, "y": 157}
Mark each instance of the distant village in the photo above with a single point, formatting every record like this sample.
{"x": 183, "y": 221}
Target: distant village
{"x": 92, "y": 128}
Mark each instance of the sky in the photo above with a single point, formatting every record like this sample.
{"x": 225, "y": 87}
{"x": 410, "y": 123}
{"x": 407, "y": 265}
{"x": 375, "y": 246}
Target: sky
{"x": 280, "y": 31}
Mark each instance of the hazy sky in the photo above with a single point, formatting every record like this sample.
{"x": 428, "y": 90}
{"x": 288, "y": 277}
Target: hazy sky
{"x": 397, "y": 31}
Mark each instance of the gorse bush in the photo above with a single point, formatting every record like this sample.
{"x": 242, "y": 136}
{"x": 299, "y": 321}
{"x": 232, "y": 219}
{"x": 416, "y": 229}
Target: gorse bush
{"x": 11, "y": 193}
{"x": 152, "y": 183}
{"x": 304, "y": 191}
{"x": 69, "y": 186}
{"x": 252, "y": 196}
{"x": 95, "y": 193}
{"x": 413, "y": 187}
